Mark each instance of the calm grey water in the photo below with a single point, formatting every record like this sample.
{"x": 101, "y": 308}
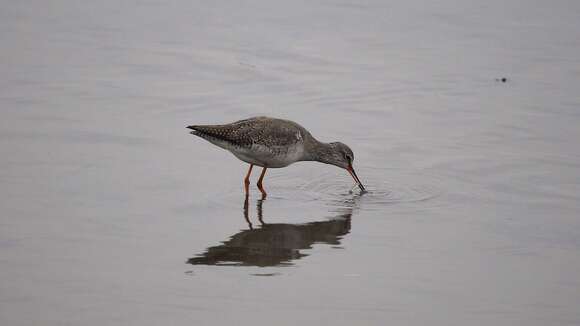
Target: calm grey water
{"x": 112, "y": 214}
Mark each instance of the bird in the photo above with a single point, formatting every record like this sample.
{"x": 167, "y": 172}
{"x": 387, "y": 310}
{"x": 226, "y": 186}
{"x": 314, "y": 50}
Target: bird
{"x": 274, "y": 143}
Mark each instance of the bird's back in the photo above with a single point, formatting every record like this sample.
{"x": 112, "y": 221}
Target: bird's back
{"x": 261, "y": 140}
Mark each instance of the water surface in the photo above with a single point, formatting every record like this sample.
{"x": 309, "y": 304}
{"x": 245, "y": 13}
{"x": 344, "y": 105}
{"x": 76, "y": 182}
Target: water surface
{"x": 112, "y": 214}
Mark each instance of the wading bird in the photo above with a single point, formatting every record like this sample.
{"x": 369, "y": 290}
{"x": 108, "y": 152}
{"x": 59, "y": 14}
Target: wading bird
{"x": 274, "y": 143}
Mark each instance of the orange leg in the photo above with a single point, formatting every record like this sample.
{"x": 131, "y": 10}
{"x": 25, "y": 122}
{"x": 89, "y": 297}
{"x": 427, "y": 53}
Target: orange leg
{"x": 260, "y": 183}
{"x": 247, "y": 180}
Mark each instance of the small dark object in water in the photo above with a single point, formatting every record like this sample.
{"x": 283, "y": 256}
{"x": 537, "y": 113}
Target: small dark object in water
{"x": 503, "y": 79}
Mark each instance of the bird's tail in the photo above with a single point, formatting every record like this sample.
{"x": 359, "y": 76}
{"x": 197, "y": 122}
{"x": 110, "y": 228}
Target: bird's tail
{"x": 209, "y": 132}
{"x": 195, "y": 130}
{"x": 215, "y": 134}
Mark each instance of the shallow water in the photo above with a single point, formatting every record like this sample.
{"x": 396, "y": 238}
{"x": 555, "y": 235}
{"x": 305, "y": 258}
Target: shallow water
{"x": 112, "y": 214}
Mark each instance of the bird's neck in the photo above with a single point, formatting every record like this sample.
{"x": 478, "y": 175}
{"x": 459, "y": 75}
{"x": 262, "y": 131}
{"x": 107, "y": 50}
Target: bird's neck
{"x": 318, "y": 151}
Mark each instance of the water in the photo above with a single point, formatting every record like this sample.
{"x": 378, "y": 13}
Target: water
{"x": 112, "y": 214}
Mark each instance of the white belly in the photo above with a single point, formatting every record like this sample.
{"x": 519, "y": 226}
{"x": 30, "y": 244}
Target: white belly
{"x": 270, "y": 157}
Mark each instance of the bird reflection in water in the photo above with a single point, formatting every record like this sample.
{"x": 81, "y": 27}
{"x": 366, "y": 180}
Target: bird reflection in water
{"x": 276, "y": 244}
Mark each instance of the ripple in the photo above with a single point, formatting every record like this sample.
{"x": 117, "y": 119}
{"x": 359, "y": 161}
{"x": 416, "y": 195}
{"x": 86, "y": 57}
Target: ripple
{"x": 390, "y": 186}
{"x": 385, "y": 187}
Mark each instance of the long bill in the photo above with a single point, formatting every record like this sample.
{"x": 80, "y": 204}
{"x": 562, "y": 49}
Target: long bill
{"x": 354, "y": 176}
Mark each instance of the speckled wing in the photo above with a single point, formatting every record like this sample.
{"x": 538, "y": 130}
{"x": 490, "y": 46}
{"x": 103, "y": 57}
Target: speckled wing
{"x": 274, "y": 134}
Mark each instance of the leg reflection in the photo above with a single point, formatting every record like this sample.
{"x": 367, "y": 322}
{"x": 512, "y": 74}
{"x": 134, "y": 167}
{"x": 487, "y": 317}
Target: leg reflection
{"x": 246, "y": 215}
{"x": 277, "y": 244}
{"x": 260, "y": 211}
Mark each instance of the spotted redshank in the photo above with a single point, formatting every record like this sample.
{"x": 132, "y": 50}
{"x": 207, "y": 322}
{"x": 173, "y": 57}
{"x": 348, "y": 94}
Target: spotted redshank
{"x": 274, "y": 143}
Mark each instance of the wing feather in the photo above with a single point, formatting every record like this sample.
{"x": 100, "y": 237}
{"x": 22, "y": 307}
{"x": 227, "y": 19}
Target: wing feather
{"x": 274, "y": 134}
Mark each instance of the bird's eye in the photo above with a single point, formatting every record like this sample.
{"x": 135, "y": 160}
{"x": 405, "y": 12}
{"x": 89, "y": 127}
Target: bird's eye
{"x": 348, "y": 158}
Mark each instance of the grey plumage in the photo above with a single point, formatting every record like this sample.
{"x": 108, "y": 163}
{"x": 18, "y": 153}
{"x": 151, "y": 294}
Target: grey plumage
{"x": 259, "y": 130}
{"x": 274, "y": 143}
{"x": 262, "y": 141}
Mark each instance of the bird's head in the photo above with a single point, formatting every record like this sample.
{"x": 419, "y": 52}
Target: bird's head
{"x": 342, "y": 156}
